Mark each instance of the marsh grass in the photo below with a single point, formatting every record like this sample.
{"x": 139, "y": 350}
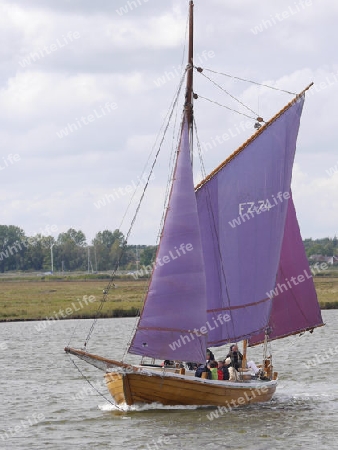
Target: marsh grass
{"x": 37, "y": 299}
{"x": 327, "y": 291}
{"x": 40, "y": 299}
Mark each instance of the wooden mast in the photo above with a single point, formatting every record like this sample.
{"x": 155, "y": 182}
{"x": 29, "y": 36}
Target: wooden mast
{"x": 244, "y": 360}
{"x": 189, "y": 88}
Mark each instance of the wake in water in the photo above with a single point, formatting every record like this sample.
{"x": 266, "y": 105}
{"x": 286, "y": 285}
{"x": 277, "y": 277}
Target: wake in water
{"x": 148, "y": 407}
{"x": 317, "y": 396}
{"x": 303, "y": 395}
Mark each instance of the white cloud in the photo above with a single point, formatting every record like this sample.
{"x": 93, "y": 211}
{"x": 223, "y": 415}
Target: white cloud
{"x": 116, "y": 59}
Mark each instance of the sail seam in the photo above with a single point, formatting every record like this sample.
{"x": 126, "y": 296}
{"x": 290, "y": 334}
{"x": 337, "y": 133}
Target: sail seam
{"x": 239, "y": 307}
{"x": 165, "y": 329}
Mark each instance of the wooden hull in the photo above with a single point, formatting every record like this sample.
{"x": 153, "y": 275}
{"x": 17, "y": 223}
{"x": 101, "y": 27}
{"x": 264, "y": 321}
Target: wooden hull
{"x": 139, "y": 387}
{"x": 129, "y": 384}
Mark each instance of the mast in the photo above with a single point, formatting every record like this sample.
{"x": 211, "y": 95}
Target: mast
{"x": 244, "y": 360}
{"x": 189, "y": 87}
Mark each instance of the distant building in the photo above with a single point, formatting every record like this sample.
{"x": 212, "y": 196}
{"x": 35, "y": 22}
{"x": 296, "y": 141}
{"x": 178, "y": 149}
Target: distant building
{"x": 331, "y": 260}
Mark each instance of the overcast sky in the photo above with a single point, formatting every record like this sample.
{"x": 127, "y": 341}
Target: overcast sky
{"x": 112, "y": 67}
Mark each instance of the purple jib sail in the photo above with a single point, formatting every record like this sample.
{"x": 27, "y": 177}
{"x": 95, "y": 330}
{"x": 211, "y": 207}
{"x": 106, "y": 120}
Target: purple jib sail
{"x": 242, "y": 210}
{"x": 175, "y": 308}
{"x": 295, "y": 306}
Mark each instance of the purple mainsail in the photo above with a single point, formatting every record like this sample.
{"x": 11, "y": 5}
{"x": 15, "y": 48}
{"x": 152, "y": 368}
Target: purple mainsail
{"x": 295, "y": 306}
{"x": 175, "y": 307}
{"x": 242, "y": 209}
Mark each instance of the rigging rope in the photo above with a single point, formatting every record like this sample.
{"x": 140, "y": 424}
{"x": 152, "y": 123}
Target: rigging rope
{"x": 203, "y": 171}
{"x": 71, "y": 337}
{"x": 213, "y": 221}
{"x": 123, "y": 248}
{"x": 171, "y": 160}
{"x": 227, "y": 107}
{"x": 250, "y": 81}
{"x": 91, "y": 384}
{"x": 173, "y": 142}
{"x": 161, "y": 128}
{"x": 228, "y": 93}
{"x": 169, "y": 115}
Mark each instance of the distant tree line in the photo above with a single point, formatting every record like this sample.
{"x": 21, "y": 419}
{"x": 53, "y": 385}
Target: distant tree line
{"x": 70, "y": 251}
{"x": 325, "y": 246}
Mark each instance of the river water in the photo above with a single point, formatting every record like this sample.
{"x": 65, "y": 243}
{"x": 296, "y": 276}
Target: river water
{"x": 47, "y": 404}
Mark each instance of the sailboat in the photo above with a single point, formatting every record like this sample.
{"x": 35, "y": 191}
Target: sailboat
{"x": 218, "y": 280}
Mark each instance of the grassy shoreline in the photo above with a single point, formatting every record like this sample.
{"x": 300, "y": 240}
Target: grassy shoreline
{"x": 58, "y": 299}
{"x": 61, "y": 298}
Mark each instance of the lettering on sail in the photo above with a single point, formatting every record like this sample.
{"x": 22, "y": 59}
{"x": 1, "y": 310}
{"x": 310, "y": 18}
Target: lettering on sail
{"x": 254, "y": 207}
{"x": 259, "y": 206}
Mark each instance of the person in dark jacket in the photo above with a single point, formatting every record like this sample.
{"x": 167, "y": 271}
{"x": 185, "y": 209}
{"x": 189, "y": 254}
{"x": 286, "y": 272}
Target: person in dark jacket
{"x": 236, "y": 356}
{"x": 226, "y": 365}
{"x": 210, "y": 356}
{"x": 202, "y": 368}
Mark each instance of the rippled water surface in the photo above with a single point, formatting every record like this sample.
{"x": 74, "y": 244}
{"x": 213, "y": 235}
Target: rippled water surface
{"x": 47, "y": 404}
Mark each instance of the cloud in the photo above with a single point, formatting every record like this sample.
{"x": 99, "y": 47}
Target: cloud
{"x": 115, "y": 59}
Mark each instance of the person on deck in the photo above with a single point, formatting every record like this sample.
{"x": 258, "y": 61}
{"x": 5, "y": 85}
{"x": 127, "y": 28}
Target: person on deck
{"x": 220, "y": 370}
{"x": 236, "y": 360}
{"x": 226, "y": 365}
{"x": 236, "y": 356}
{"x": 202, "y": 368}
{"x": 213, "y": 370}
{"x": 252, "y": 366}
{"x": 210, "y": 356}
